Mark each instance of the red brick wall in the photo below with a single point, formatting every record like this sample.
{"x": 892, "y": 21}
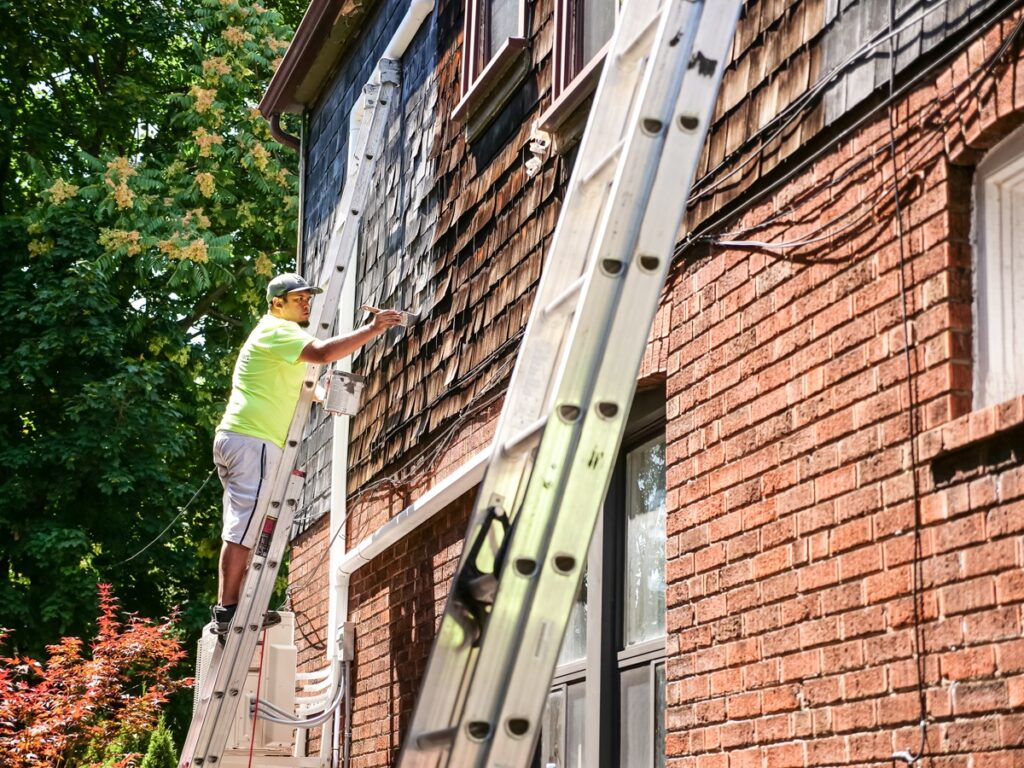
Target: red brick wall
{"x": 791, "y": 525}
{"x": 308, "y": 580}
{"x": 376, "y": 594}
{"x": 397, "y": 602}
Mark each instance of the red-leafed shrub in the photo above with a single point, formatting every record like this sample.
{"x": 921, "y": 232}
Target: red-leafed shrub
{"x": 69, "y": 710}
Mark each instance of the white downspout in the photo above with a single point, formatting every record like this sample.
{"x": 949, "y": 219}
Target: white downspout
{"x": 417, "y": 11}
{"x": 337, "y": 611}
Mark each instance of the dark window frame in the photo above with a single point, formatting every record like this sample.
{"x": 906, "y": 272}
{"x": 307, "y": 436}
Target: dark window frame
{"x": 607, "y": 658}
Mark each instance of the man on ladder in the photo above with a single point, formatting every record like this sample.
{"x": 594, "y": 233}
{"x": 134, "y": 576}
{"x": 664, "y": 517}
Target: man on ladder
{"x": 250, "y": 438}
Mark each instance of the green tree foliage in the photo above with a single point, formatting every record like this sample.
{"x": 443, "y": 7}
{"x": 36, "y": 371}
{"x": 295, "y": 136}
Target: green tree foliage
{"x": 144, "y": 212}
{"x": 161, "y": 752}
{"x": 78, "y": 76}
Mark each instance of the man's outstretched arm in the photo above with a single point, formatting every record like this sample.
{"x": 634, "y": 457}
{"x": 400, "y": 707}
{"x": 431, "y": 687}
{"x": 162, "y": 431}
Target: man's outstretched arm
{"x": 328, "y": 350}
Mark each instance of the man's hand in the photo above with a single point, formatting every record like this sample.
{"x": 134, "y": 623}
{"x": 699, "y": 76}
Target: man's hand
{"x": 384, "y": 319}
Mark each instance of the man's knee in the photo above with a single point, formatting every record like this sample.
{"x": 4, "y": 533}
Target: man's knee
{"x": 233, "y": 549}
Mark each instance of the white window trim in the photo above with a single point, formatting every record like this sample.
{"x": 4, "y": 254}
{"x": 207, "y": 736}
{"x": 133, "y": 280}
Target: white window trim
{"x": 472, "y": 32}
{"x": 998, "y": 275}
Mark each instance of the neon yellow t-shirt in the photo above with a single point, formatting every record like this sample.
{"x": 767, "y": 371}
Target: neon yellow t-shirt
{"x": 267, "y": 380}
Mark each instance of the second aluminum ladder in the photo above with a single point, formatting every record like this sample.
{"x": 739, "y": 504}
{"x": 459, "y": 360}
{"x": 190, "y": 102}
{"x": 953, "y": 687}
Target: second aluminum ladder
{"x": 487, "y": 682}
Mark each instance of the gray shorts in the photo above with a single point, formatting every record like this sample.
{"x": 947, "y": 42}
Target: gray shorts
{"x": 246, "y": 467}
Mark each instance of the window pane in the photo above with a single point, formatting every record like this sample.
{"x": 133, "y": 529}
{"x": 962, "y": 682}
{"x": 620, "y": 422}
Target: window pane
{"x": 552, "y": 734}
{"x": 574, "y": 646}
{"x": 598, "y": 24}
{"x": 574, "y": 725}
{"x": 502, "y": 18}
{"x": 645, "y": 543}
{"x": 659, "y": 716}
{"x": 636, "y": 736}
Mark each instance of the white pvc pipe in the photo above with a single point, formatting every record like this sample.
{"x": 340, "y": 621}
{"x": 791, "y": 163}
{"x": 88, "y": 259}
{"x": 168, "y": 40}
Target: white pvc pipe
{"x": 418, "y": 10}
{"x": 401, "y": 525}
{"x": 420, "y": 511}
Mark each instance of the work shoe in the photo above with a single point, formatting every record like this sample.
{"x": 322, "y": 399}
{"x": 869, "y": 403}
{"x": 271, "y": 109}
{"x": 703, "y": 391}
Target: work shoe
{"x": 221, "y": 616}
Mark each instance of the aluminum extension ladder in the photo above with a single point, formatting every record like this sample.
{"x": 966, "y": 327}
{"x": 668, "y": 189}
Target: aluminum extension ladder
{"x": 487, "y": 681}
{"x": 217, "y": 701}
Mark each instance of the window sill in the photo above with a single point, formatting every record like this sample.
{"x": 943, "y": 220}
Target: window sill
{"x": 565, "y": 119}
{"x": 494, "y": 87}
{"x": 569, "y": 671}
{"x": 971, "y": 429}
{"x": 649, "y": 650}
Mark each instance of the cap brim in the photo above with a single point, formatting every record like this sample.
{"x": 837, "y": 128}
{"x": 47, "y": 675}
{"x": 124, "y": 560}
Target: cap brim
{"x": 308, "y": 289}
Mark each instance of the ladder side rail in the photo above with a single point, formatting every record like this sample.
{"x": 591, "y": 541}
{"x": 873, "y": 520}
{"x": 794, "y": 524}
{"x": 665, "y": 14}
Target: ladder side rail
{"x": 211, "y": 722}
{"x": 369, "y": 147}
{"x": 591, "y": 333}
{"x": 587, "y": 483}
{"x": 567, "y": 256}
{"x": 574, "y": 238}
{"x": 573, "y": 245}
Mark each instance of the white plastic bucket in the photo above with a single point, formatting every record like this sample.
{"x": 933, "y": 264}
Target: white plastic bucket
{"x": 344, "y": 392}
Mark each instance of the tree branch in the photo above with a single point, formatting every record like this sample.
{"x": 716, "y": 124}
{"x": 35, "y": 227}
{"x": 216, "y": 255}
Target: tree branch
{"x": 202, "y": 307}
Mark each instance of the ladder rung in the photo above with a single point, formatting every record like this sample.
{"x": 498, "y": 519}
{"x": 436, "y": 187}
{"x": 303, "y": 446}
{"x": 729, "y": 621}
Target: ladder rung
{"x": 603, "y": 163}
{"x": 527, "y": 438}
{"x": 571, "y": 292}
{"x": 436, "y": 739}
{"x": 629, "y": 49}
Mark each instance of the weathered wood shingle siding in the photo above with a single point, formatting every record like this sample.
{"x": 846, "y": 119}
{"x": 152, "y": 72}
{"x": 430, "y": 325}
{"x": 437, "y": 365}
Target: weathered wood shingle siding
{"x": 326, "y": 162}
{"x": 457, "y": 232}
{"x": 798, "y": 68}
{"x": 452, "y": 231}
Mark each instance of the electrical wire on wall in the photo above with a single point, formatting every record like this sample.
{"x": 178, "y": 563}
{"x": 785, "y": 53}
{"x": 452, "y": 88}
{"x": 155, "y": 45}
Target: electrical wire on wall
{"x": 856, "y": 215}
{"x": 705, "y": 233}
{"x": 421, "y": 465}
{"x": 705, "y": 187}
{"x": 865, "y": 210}
{"x": 908, "y": 345}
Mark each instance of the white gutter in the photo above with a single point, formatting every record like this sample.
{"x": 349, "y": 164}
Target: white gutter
{"x": 464, "y": 479}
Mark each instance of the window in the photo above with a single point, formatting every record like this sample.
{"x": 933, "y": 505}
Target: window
{"x": 644, "y": 568}
{"x": 493, "y": 27}
{"x": 641, "y": 655}
{"x": 606, "y": 704}
{"x": 582, "y": 28}
{"x": 999, "y": 273}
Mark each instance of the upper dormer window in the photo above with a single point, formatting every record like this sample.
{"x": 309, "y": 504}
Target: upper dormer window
{"x": 492, "y": 26}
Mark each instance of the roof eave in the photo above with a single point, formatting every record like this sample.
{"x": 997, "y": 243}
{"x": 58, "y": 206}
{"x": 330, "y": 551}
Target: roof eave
{"x": 312, "y": 55}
